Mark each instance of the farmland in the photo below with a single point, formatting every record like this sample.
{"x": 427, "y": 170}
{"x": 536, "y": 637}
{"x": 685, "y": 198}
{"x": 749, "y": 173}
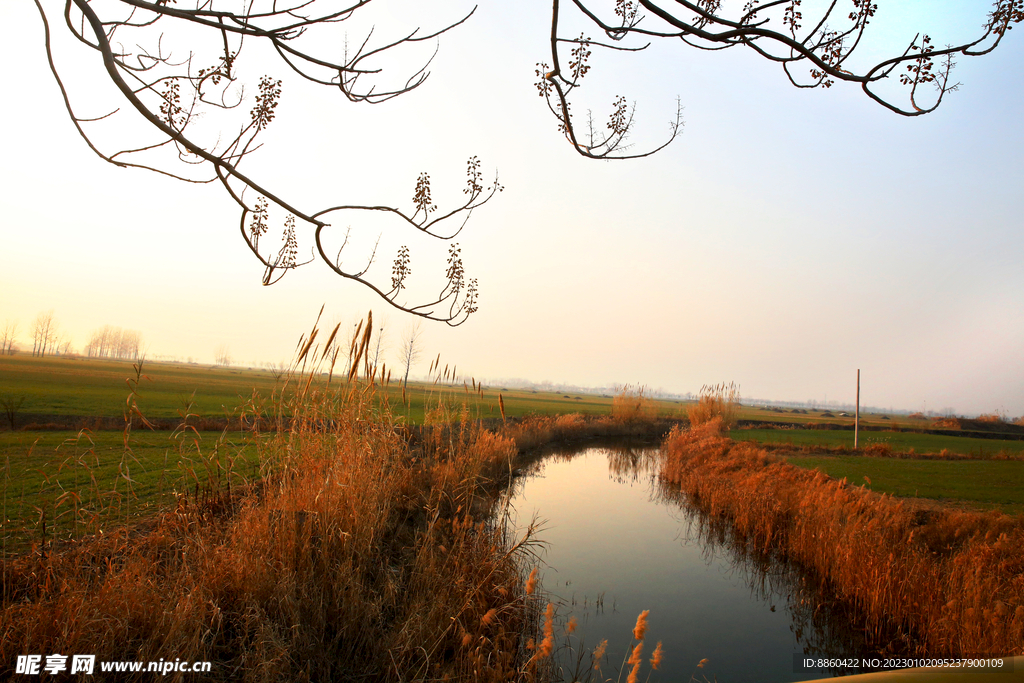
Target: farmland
{"x": 98, "y": 388}
{"x": 249, "y": 464}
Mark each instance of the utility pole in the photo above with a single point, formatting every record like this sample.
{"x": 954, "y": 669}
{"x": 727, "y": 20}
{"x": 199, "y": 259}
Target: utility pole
{"x": 856, "y": 418}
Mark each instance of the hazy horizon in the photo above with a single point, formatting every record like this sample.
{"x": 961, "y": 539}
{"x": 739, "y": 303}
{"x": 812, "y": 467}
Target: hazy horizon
{"x": 785, "y": 240}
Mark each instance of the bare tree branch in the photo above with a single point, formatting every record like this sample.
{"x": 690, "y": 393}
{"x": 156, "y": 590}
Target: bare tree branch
{"x": 178, "y": 94}
{"x": 812, "y": 57}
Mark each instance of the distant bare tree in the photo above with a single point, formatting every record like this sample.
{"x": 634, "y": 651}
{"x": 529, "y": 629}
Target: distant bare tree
{"x": 410, "y": 349}
{"x": 814, "y": 45}
{"x": 278, "y": 369}
{"x": 97, "y": 345}
{"x": 44, "y": 334}
{"x": 62, "y": 346}
{"x": 7, "y": 337}
{"x": 223, "y": 355}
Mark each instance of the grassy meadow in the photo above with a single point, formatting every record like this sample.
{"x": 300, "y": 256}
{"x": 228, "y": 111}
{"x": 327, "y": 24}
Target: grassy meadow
{"x": 907, "y": 443}
{"x": 97, "y": 388}
{"x": 53, "y": 480}
{"x": 200, "y": 435}
{"x": 59, "y": 386}
{"x": 970, "y": 484}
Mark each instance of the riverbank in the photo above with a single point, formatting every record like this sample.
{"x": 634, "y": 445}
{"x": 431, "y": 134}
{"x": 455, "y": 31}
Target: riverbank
{"x": 345, "y": 546}
{"x": 352, "y": 555}
{"x": 951, "y": 579}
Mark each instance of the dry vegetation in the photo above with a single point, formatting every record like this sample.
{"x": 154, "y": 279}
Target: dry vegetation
{"x": 630, "y": 405}
{"x": 718, "y": 401}
{"x": 558, "y": 655}
{"x": 355, "y": 554}
{"x": 361, "y": 549}
{"x": 953, "y": 581}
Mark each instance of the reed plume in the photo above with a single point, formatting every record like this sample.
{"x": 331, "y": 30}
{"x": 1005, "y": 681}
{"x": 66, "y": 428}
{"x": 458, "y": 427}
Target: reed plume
{"x": 599, "y": 653}
{"x": 640, "y": 630}
{"x": 656, "y": 657}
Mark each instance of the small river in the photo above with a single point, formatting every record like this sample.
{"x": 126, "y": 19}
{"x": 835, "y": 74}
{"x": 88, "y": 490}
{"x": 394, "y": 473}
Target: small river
{"x": 617, "y": 543}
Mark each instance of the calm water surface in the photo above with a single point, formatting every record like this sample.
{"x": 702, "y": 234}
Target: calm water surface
{"x": 618, "y": 543}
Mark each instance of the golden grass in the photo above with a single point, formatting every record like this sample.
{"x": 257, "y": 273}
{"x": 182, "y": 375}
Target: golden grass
{"x": 951, "y": 579}
{"x": 599, "y": 654}
{"x": 359, "y": 549}
{"x": 631, "y": 405}
{"x": 355, "y": 555}
{"x": 640, "y": 630}
{"x": 719, "y": 401}
{"x": 656, "y": 657}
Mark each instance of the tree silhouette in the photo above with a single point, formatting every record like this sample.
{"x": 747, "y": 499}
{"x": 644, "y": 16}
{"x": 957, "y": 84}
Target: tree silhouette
{"x": 815, "y": 48}
{"x": 204, "y": 104}
{"x": 180, "y": 64}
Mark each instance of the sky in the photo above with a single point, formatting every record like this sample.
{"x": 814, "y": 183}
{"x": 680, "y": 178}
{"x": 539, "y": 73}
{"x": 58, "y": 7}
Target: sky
{"x": 786, "y": 239}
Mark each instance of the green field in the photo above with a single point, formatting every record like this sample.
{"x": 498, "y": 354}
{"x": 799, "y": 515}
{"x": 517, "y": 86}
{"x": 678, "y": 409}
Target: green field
{"x": 988, "y": 484}
{"x": 73, "y": 476}
{"x": 87, "y": 387}
{"x": 899, "y": 442}
{"x": 64, "y": 386}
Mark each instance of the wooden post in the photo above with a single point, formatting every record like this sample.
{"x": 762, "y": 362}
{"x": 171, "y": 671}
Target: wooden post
{"x": 856, "y": 419}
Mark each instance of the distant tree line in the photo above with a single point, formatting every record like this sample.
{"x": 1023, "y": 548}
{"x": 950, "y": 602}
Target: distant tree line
{"x": 114, "y": 342}
{"x": 48, "y": 340}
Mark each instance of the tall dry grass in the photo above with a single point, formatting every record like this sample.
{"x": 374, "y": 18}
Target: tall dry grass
{"x": 354, "y": 555}
{"x": 951, "y": 579}
{"x": 631, "y": 405}
{"x": 715, "y": 401}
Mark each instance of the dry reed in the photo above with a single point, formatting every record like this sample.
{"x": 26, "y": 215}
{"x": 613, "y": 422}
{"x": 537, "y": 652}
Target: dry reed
{"x": 354, "y": 555}
{"x": 656, "y": 657}
{"x": 719, "y": 401}
{"x": 952, "y": 579}
{"x": 631, "y": 405}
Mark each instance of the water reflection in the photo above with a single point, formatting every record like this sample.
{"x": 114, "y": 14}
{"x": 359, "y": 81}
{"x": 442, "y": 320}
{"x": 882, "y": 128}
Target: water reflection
{"x": 822, "y": 623}
{"x": 619, "y": 541}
